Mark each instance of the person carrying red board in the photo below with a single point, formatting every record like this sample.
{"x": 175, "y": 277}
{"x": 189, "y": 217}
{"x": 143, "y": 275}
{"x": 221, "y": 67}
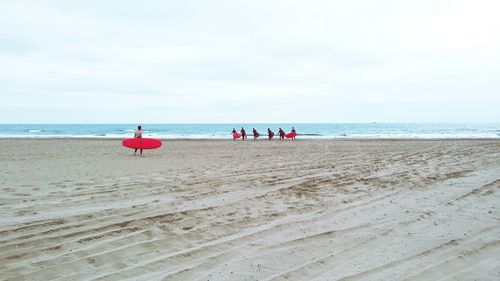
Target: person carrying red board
{"x": 294, "y": 133}
{"x": 255, "y": 134}
{"x": 281, "y": 133}
{"x": 138, "y": 135}
{"x": 243, "y": 134}
{"x": 270, "y": 133}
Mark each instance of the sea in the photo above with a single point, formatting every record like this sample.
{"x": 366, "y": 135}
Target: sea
{"x": 223, "y": 131}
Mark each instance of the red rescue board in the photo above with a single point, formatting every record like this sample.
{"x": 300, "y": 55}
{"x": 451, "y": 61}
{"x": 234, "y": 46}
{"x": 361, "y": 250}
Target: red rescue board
{"x": 141, "y": 143}
{"x": 236, "y": 135}
{"x": 290, "y": 135}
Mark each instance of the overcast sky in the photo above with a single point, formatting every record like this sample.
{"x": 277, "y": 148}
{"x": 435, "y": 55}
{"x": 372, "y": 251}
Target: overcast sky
{"x": 249, "y": 61}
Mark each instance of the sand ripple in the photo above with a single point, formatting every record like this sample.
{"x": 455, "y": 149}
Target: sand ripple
{"x": 222, "y": 210}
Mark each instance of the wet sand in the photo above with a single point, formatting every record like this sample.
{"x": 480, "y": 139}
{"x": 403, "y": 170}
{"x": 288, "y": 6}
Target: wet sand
{"x": 221, "y": 210}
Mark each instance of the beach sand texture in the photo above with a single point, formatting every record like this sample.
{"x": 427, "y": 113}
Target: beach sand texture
{"x": 221, "y": 210}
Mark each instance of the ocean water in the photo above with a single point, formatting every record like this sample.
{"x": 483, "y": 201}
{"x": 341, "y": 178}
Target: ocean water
{"x": 223, "y": 131}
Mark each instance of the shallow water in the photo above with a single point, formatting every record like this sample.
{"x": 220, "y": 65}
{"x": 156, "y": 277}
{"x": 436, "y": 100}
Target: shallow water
{"x": 216, "y": 131}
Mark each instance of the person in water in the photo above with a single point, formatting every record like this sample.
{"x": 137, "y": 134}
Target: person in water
{"x": 281, "y": 133}
{"x": 233, "y": 132}
{"x": 293, "y": 131}
{"x": 255, "y": 134}
{"x": 243, "y": 134}
{"x": 138, "y": 135}
{"x": 270, "y": 133}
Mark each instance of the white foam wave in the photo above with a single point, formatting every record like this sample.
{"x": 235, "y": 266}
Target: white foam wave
{"x": 228, "y": 136}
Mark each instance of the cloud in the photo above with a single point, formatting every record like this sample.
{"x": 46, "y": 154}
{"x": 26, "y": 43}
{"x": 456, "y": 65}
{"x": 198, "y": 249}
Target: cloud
{"x": 242, "y": 61}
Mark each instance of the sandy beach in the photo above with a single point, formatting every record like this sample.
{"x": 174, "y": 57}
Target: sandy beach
{"x": 76, "y": 209}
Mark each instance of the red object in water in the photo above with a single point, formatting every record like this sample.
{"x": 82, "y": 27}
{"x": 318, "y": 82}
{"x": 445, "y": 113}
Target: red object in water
{"x": 290, "y": 135}
{"x": 236, "y": 135}
{"x": 141, "y": 143}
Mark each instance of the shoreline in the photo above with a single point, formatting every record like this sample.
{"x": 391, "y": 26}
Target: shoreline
{"x": 251, "y": 139}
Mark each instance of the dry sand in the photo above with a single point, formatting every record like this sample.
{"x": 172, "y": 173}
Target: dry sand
{"x": 222, "y": 210}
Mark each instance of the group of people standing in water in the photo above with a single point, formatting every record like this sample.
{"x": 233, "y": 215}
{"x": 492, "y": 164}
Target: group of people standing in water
{"x": 270, "y": 134}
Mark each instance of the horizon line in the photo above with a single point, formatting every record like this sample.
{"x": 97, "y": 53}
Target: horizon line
{"x": 232, "y": 123}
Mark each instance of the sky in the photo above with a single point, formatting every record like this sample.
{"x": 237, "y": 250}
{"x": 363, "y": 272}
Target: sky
{"x": 249, "y": 61}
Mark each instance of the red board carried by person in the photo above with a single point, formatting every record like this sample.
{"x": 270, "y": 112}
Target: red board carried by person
{"x": 141, "y": 143}
{"x": 236, "y": 135}
{"x": 291, "y": 135}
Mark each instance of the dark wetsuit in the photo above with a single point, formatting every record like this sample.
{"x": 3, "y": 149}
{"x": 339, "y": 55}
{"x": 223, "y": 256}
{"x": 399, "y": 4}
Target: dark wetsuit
{"x": 270, "y": 134}
{"x": 282, "y": 134}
